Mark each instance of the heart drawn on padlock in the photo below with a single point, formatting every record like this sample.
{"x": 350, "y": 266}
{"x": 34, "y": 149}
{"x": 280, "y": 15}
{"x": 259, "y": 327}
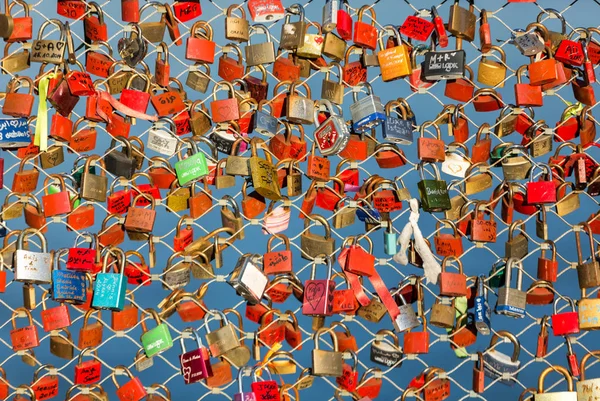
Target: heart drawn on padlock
{"x": 314, "y": 294}
{"x": 319, "y": 40}
{"x": 224, "y": 111}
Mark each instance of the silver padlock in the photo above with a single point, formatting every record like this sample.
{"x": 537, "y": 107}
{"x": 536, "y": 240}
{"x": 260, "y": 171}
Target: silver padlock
{"x": 32, "y": 267}
{"x": 407, "y": 319}
{"x": 512, "y": 301}
{"x": 497, "y": 364}
{"x": 163, "y": 141}
{"x": 176, "y": 275}
{"x": 248, "y": 279}
{"x": 330, "y": 12}
{"x": 367, "y": 112}
{"x": 333, "y": 134}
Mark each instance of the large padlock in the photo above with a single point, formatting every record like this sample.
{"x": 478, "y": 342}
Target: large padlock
{"x": 365, "y": 35}
{"x": 55, "y": 203}
{"x": 132, "y": 390}
{"x": 47, "y": 50}
{"x": 195, "y": 364}
{"x": 292, "y": 33}
{"x": 446, "y": 65}
{"x": 367, "y": 112}
{"x": 433, "y": 192}
{"x": 493, "y": 73}
{"x": 498, "y": 364}
{"x": 157, "y": 339}
{"x": 200, "y": 46}
{"x": 26, "y": 337}
{"x": 512, "y": 301}
{"x": 18, "y": 104}
{"x": 313, "y": 244}
{"x": 68, "y": 286}
{"x": 588, "y": 388}
{"x": 109, "y": 288}
{"x": 569, "y": 395}
{"x": 565, "y": 323}
{"x": 236, "y": 28}
{"x": 248, "y": 278}
{"x": 193, "y": 167}
{"x": 32, "y": 267}
{"x": 263, "y": 173}
{"x": 326, "y": 363}
{"x": 318, "y": 293}
{"x": 395, "y": 62}
{"x": 332, "y": 135}
{"x": 225, "y": 109}
{"x": 462, "y": 22}
{"x": 223, "y": 339}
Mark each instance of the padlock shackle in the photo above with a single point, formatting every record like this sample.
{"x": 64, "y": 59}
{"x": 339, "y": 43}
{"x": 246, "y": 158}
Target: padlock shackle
{"x": 554, "y": 368}
{"x": 196, "y": 337}
{"x": 584, "y": 361}
{"x": 513, "y": 339}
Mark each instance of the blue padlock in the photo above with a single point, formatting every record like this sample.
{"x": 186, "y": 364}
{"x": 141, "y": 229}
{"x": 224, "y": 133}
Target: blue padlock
{"x": 482, "y": 308}
{"x": 67, "y": 285}
{"x": 398, "y": 128}
{"x": 109, "y": 288}
{"x": 367, "y": 112}
{"x": 390, "y": 239}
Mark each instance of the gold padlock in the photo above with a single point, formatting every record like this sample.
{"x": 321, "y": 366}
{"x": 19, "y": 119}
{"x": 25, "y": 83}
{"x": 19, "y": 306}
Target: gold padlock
{"x": 62, "y": 347}
{"x": 236, "y": 28}
{"x": 313, "y": 43}
{"x": 154, "y": 32}
{"x": 492, "y": 73}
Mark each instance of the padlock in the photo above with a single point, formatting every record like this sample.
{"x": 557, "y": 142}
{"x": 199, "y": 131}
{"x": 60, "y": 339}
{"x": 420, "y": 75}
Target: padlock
{"x": 512, "y": 301}
{"x": 46, "y": 386}
{"x": 200, "y": 46}
{"x": 326, "y": 363}
{"x": 493, "y": 73}
{"x": 527, "y": 95}
{"x": 565, "y": 323}
{"x": 462, "y": 22}
{"x": 569, "y": 202}
{"x": 236, "y": 28}
{"x": 300, "y": 109}
{"x": 248, "y": 278}
{"x": 313, "y": 43}
{"x": 109, "y": 288}
{"x": 313, "y": 244}
{"x": 542, "y": 191}
{"x": 417, "y": 342}
{"x": 367, "y": 112}
{"x": 428, "y": 149}
{"x": 157, "y": 339}
{"x": 544, "y": 71}
{"x": 353, "y": 72}
{"x": 318, "y": 293}
{"x": 452, "y": 284}
{"x": 67, "y": 286}
{"x": 132, "y": 390}
{"x": 331, "y": 90}
{"x": 365, "y": 35}
{"x": 223, "y": 339}
{"x": 461, "y": 89}
{"x": 32, "y": 267}
{"x": 18, "y": 104}
{"x": 442, "y": 314}
{"x": 331, "y": 136}
{"x": 569, "y": 395}
{"x": 433, "y": 193}
{"x": 395, "y": 61}
{"x": 498, "y": 364}
{"x": 515, "y": 166}
{"x": 444, "y": 65}
{"x": 464, "y": 333}
{"x": 482, "y": 314}
{"x": 447, "y": 244}
{"x": 55, "y": 203}
{"x": 263, "y": 173}
{"x": 22, "y": 27}
{"x": 15, "y": 62}
{"x": 47, "y": 50}
{"x": 26, "y": 337}
{"x": 487, "y": 99}
{"x": 588, "y": 273}
{"x": 292, "y": 33}
{"x": 384, "y": 352}
{"x": 192, "y": 167}
{"x": 140, "y": 220}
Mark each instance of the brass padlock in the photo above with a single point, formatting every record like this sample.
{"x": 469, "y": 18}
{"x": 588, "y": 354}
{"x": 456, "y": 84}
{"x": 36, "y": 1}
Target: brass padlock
{"x": 154, "y": 32}
{"x": 236, "y": 28}
{"x": 492, "y": 73}
{"x": 462, "y": 22}
{"x": 263, "y": 172}
{"x": 62, "y": 347}
{"x": 313, "y": 244}
{"x": 442, "y": 315}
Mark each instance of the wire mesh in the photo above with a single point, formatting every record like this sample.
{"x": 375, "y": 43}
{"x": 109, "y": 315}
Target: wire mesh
{"x": 120, "y": 347}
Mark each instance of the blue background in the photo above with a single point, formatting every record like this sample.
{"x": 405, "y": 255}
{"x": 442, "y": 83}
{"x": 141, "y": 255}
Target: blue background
{"x": 122, "y": 349}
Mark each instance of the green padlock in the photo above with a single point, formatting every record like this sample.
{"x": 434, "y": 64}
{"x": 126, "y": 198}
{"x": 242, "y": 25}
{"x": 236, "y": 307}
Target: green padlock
{"x": 157, "y": 339}
{"x": 498, "y": 274}
{"x": 497, "y": 152}
{"x": 433, "y": 193}
{"x": 194, "y": 166}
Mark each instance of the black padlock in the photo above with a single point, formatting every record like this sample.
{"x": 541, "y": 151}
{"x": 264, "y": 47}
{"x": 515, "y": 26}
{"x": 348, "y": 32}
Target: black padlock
{"x": 120, "y": 163}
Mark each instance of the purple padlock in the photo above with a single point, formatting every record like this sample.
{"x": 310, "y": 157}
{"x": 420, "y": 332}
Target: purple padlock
{"x": 195, "y": 365}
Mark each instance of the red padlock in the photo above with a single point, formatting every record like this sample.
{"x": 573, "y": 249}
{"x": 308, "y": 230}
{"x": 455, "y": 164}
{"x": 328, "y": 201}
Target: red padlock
{"x": 278, "y": 262}
{"x": 200, "y": 46}
{"x": 135, "y": 99}
{"x": 359, "y": 261}
{"x": 95, "y": 28}
{"x": 452, "y": 284}
{"x": 45, "y": 387}
{"x": 26, "y": 337}
{"x": 527, "y": 95}
{"x": 565, "y": 323}
{"x": 22, "y": 26}
{"x": 55, "y": 318}
{"x": 447, "y": 244}
{"x": 130, "y": 11}
{"x": 56, "y": 203}
{"x": 187, "y": 10}
{"x": 547, "y": 268}
{"x": 349, "y": 378}
{"x": 225, "y": 109}
{"x": 542, "y": 191}
{"x": 365, "y": 35}
{"x": 88, "y": 372}
{"x": 417, "y": 342}
{"x": 133, "y": 390}
{"x": 266, "y": 10}
{"x": 344, "y": 22}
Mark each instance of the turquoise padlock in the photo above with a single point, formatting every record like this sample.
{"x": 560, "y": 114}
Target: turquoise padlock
{"x": 158, "y": 339}
{"x": 109, "y": 288}
{"x": 390, "y": 239}
{"x": 192, "y": 167}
